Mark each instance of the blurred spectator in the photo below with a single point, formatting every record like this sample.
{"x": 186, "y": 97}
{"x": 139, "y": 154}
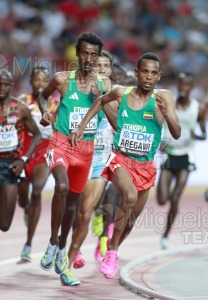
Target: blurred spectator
{"x": 44, "y": 31}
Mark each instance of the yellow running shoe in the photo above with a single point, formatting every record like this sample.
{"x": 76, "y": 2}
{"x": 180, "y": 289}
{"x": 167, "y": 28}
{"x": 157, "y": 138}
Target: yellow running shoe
{"x": 97, "y": 225}
{"x": 68, "y": 279}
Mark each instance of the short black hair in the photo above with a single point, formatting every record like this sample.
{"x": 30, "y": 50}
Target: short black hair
{"x": 190, "y": 76}
{"x": 38, "y": 69}
{"x": 105, "y": 53}
{"x": 89, "y": 38}
{"x": 117, "y": 66}
{"x": 6, "y": 73}
{"x": 150, "y": 56}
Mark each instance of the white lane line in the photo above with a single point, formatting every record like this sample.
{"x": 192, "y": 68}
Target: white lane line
{"x": 90, "y": 246}
{"x": 135, "y": 264}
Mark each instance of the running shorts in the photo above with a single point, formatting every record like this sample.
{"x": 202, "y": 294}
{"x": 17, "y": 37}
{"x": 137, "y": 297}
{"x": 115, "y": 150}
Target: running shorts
{"x": 143, "y": 174}
{"x": 96, "y": 170}
{"x": 6, "y": 174}
{"x": 174, "y": 163}
{"x": 38, "y": 157}
{"x": 77, "y": 160}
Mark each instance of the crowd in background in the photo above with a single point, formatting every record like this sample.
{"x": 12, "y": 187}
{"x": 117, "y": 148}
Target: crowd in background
{"x": 45, "y": 31}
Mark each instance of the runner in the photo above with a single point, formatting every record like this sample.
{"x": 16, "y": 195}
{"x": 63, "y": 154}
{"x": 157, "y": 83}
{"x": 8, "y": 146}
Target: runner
{"x": 14, "y": 115}
{"x": 70, "y": 165}
{"x": 95, "y": 185}
{"x": 37, "y": 170}
{"x": 179, "y": 155}
{"x": 131, "y": 167}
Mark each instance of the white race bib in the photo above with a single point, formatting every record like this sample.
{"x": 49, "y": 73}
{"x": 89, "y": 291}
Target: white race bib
{"x": 8, "y": 141}
{"x": 76, "y": 118}
{"x": 136, "y": 143}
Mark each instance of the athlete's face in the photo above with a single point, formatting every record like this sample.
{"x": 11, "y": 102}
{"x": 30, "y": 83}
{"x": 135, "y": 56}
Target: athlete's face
{"x": 104, "y": 66}
{"x": 148, "y": 74}
{"x": 87, "y": 57}
{"x": 39, "y": 81}
{"x": 118, "y": 76}
{"x": 185, "y": 85}
{"x": 5, "y": 87}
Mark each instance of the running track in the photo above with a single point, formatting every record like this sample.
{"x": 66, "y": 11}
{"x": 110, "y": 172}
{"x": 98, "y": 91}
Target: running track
{"x": 27, "y": 281}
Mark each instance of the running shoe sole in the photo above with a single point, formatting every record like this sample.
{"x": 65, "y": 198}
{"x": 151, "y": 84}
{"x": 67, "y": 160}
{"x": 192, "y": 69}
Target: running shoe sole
{"x": 24, "y": 258}
{"x": 76, "y": 283}
{"x": 46, "y": 269}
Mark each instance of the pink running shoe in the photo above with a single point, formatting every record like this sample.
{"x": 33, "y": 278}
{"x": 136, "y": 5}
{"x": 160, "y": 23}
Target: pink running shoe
{"x": 109, "y": 266}
{"x": 98, "y": 255}
{"x": 79, "y": 261}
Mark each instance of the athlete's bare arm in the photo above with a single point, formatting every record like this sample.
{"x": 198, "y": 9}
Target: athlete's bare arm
{"x": 58, "y": 82}
{"x": 165, "y": 109}
{"x": 111, "y": 112}
{"x": 31, "y": 127}
{"x": 116, "y": 93}
{"x": 202, "y": 124}
{"x": 26, "y": 116}
{"x": 109, "y": 109}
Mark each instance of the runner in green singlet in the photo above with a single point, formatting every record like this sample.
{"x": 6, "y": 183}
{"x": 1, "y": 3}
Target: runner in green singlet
{"x": 131, "y": 166}
{"x": 70, "y": 165}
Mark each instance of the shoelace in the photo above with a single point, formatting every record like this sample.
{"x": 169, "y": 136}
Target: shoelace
{"x": 61, "y": 255}
{"x": 68, "y": 273}
{"x": 50, "y": 252}
{"x": 110, "y": 257}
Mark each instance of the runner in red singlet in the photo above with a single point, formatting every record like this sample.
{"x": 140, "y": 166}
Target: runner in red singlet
{"x": 14, "y": 116}
{"x": 37, "y": 170}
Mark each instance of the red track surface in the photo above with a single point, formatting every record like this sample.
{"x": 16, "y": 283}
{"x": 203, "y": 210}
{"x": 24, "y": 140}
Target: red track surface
{"x": 29, "y": 281}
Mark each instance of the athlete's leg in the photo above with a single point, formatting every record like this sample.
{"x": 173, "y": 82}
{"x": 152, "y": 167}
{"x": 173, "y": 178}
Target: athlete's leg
{"x": 181, "y": 180}
{"x": 39, "y": 177}
{"x": 97, "y": 221}
{"x": 23, "y": 195}
{"x": 129, "y": 197}
{"x": 7, "y": 204}
{"x": 59, "y": 200}
{"x": 163, "y": 187}
{"x": 131, "y": 202}
{"x": 136, "y": 211}
{"x": 109, "y": 207}
{"x": 91, "y": 196}
{"x": 72, "y": 206}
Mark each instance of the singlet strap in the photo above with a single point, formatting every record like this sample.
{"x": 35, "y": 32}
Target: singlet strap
{"x": 128, "y": 90}
{"x": 72, "y": 74}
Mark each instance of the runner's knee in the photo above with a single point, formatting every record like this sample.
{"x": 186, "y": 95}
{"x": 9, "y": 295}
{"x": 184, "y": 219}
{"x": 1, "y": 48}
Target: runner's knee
{"x": 5, "y": 226}
{"x": 129, "y": 199}
{"x": 84, "y": 219}
{"x": 161, "y": 200}
{"x": 61, "y": 188}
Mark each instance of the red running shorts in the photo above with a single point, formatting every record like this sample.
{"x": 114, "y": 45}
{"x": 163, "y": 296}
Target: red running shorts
{"x": 77, "y": 160}
{"x": 143, "y": 174}
{"x": 38, "y": 157}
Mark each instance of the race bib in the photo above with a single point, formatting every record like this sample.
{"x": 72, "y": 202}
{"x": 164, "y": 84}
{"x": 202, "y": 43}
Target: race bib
{"x": 135, "y": 143}
{"x": 8, "y": 141}
{"x": 76, "y": 118}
